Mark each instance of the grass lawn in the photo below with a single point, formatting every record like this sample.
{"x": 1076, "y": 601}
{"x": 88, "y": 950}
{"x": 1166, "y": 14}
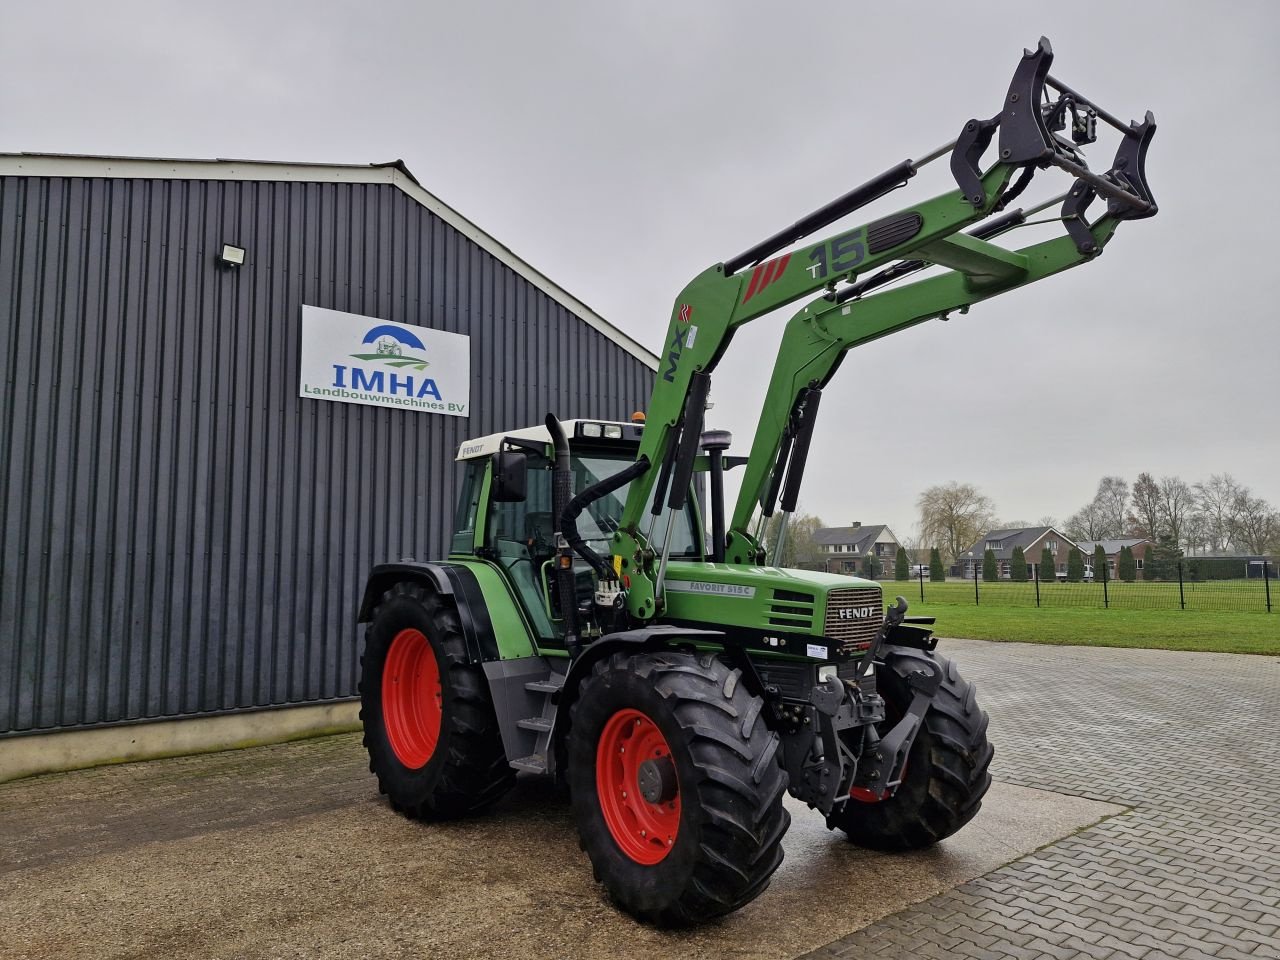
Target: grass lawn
{"x": 1218, "y": 596}
{"x": 1155, "y": 629}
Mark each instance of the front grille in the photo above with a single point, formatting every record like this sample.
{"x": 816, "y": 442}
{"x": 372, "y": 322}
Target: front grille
{"x": 855, "y": 630}
{"x": 792, "y": 610}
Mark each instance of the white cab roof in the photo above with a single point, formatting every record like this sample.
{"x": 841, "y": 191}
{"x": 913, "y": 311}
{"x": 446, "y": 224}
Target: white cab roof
{"x": 485, "y": 446}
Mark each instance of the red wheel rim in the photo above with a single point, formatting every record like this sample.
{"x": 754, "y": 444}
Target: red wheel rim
{"x": 644, "y": 831}
{"x": 411, "y": 698}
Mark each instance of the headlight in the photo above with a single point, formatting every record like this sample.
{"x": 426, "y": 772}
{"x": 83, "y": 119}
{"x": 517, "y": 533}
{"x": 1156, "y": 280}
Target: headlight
{"x": 829, "y": 672}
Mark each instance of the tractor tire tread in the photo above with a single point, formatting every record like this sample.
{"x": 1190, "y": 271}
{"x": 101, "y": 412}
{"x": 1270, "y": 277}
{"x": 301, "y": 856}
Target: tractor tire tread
{"x": 947, "y": 776}
{"x": 473, "y": 772}
{"x": 736, "y": 794}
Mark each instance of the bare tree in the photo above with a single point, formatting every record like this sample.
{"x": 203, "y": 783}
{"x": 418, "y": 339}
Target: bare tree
{"x": 1176, "y": 506}
{"x": 1145, "y": 515}
{"x": 1112, "y": 503}
{"x": 953, "y": 515}
{"x": 1216, "y": 505}
{"x": 800, "y": 550}
{"x": 1104, "y": 515}
{"x": 1256, "y": 526}
{"x": 1087, "y": 523}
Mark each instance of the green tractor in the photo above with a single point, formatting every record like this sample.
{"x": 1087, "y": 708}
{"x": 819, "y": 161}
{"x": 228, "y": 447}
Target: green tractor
{"x": 600, "y": 620}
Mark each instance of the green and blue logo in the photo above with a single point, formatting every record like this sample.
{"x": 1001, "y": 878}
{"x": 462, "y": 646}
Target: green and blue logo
{"x": 389, "y": 343}
{"x": 391, "y": 346}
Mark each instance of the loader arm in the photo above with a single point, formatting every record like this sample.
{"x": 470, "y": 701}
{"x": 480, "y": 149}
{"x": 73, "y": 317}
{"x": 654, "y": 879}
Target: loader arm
{"x": 817, "y": 338}
{"x": 765, "y": 277}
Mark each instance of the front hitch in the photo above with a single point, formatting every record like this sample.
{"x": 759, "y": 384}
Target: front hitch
{"x": 883, "y": 762}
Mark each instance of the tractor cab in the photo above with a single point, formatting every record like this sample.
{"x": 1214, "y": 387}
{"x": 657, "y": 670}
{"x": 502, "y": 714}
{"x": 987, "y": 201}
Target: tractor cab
{"x": 505, "y": 512}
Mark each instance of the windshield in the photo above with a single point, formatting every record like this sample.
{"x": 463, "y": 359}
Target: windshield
{"x": 600, "y": 520}
{"x": 525, "y": 528}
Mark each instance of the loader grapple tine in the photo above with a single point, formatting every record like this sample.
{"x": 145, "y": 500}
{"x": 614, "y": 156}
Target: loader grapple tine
{"x": 1130, "y": 166}
{"x": 1024, "y": 136}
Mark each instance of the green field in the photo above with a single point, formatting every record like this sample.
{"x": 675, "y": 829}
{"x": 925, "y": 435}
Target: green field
{"x": 1222, "y": 632}
{"x": 1227, "y": 616}
{"x": 1219, "y": 596}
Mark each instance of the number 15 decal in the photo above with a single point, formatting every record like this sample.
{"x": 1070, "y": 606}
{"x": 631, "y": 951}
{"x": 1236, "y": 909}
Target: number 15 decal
{"x": 839, "y": 255}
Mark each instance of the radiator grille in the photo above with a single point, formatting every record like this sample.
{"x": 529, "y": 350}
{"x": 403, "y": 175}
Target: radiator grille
{"x": 854, "y": 614}
{"x": 792, "y": 610}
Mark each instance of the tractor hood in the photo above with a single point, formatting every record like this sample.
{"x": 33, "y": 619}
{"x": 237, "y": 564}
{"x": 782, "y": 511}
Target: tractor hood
{"x": 807, "y": 613}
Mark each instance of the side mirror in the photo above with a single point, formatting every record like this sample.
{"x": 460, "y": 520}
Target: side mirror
{"x": 510, "y": 468}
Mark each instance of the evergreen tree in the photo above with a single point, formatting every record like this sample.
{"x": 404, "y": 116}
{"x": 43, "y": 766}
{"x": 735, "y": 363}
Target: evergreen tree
{"x": 937, "y": 573}
{"x": 1018, "y": 566}
{"x": 901, "y": 566}
{"x": 1100, "y": 571}
{"x": 1162, "y": 560}
{"x": 1047, "y": 572}
{"x": 1075, "y": 565}
{"x": 870, "y": 566}
{"x": 1126, "y": 565}
{"x": 990, "y": 571}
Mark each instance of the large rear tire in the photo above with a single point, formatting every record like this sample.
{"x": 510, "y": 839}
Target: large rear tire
{"x": 689, "y": 824}
{"x": 946, "y": 775}
{"x": 429, "y": 724}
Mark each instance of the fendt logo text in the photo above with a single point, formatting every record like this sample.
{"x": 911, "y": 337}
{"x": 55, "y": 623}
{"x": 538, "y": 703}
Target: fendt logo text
{"x": 857, "y": 613}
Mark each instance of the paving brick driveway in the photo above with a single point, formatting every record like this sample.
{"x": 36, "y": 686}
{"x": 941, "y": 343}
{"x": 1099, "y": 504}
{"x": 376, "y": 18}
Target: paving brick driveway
{"x": 1191, "y": 741}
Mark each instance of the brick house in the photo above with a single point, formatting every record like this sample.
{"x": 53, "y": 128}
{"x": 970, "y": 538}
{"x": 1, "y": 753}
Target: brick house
{"x": 1112, "y": 548}
{"x": 1032, "y": 540}
{"x": 844, "y": 547}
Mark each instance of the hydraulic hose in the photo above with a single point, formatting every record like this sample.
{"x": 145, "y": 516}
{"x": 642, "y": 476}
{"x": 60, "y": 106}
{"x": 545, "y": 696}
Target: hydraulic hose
{"x": 569, "y": 516}
{"x": 561, "y": 491}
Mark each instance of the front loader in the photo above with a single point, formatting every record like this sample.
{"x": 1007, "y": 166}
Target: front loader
{"x": 600, "y": 621}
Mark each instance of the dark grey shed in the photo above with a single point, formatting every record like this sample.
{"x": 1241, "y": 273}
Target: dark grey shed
{"x": 180, "y": 532}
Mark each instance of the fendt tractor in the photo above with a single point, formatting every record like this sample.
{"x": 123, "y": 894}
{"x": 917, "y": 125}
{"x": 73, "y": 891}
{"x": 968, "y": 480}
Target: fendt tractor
{"x": 597, "y": 621}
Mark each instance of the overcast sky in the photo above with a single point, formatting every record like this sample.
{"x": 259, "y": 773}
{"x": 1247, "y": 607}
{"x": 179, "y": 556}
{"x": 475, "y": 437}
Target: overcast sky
{"x": 623, "y": 147}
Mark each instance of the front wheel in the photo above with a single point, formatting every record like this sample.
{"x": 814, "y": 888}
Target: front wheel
{"x": 946, "y": 775}
{"x": 677, "y": 789}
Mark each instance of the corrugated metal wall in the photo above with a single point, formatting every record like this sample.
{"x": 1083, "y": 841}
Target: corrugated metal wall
{"x": 179, "y": 531}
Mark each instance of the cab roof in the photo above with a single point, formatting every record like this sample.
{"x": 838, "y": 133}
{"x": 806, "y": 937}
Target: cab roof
{"x": 488, "y": 445}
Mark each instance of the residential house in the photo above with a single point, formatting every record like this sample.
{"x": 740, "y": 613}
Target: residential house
{"x": 844, "y": 547}
{"x": 1112, "y": 548}
{"x": 1032, "y": 540}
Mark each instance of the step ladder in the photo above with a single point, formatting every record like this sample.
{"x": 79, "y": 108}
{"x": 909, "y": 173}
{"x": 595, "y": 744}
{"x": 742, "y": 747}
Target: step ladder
{"x": 541, "y": 725}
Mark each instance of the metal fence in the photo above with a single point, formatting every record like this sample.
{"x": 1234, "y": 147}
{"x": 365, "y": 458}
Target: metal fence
{"x": 1183, "y": 592}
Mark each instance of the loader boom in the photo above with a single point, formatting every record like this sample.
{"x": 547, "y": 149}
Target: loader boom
{"x": 846, "y": 268}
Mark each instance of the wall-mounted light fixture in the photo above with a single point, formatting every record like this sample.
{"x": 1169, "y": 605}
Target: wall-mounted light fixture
{"x": 231, "y": 256}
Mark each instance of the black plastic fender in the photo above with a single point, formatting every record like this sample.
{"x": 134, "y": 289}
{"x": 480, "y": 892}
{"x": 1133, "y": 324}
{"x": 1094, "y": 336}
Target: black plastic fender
{"x": 447, "y": 579}
{"x": 659, "y": 637}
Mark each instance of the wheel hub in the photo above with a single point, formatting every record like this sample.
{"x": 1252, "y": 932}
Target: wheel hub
{"x": 657, "y": 779}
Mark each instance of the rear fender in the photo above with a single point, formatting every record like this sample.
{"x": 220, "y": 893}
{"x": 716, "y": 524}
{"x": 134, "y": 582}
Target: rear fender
{"x": 485, "y": 606}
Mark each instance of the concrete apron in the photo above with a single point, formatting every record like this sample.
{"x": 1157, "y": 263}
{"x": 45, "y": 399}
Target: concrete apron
{"x": 288, "y": 851}
{"x": 26, "y": 755}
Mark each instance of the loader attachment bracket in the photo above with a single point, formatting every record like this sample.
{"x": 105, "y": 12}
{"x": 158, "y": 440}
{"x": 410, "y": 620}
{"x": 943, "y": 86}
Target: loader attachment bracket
{"x": 1028, "y": 123}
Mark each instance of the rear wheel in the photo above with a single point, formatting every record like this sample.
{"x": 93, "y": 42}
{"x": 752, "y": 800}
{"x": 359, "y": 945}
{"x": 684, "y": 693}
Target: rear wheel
{"x": 429, "y": 724}
{"x": 946, "y": 775}
{"x": 677, "y": 790}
